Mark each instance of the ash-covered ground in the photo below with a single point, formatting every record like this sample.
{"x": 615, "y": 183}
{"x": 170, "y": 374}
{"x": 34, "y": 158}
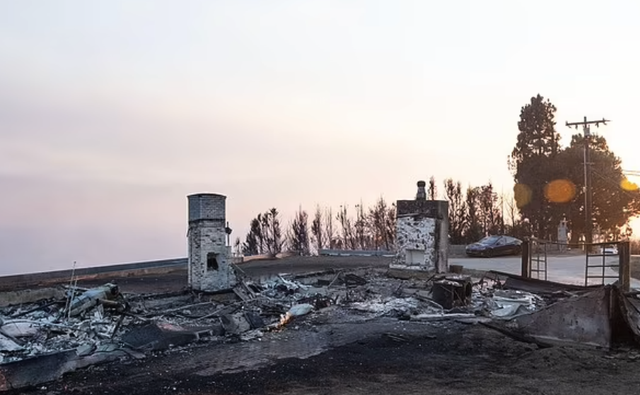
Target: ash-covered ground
{"x": 380, "y": 357}
{"x": 335, "y": 332}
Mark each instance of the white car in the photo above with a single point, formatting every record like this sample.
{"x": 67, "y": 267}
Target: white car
{"x": 610, "y": 251}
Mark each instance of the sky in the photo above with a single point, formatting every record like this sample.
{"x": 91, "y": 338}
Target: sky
{"x": 111, "y": 112}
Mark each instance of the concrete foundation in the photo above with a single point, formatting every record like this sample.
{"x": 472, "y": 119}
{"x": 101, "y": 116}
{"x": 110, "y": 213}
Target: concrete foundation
{"x": 209, "y": 265}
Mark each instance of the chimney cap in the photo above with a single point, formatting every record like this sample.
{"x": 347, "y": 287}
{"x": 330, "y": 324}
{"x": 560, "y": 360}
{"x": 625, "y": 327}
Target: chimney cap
{"x": 421, "y": 184}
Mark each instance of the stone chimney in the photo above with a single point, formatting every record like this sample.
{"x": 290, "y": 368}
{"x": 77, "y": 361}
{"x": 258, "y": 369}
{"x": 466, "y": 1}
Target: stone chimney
{"x": 209, "y": 260}
{"x": 422, "y": 193}
{"x": 422, "y": 233}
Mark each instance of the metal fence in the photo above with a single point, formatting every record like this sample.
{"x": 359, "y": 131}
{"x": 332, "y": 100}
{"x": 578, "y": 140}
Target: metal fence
{"x": 535, "y": 260}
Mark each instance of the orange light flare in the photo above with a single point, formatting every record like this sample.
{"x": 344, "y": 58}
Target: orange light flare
{"x": 560, "y": 191}
{"x": 628, "y": 185}
{"x": 522, "y": 195}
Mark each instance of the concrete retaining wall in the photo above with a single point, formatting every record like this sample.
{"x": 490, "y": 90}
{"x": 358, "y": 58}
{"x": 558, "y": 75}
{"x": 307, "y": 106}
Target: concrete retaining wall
{"x": 149, "y": 267}
{"x": 30, "y": 295}
{"x": 162, "y": 266}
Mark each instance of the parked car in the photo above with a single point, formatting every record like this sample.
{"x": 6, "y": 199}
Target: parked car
{"x": 495, "y": 245}
{"x": 610, "y": 250}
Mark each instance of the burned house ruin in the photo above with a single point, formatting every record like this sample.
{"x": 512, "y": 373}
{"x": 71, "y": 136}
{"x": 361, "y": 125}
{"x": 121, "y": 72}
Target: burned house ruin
{"x": 209, "y": 265}
{"x": 422, "y": 229}
{"x": 71, "y": 325}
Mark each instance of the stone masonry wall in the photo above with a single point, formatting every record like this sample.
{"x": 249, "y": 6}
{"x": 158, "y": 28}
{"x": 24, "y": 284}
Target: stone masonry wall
{"x": 417, "y": 235}
{"x": 422, "y": 235}
{"x": 209, "y": 237}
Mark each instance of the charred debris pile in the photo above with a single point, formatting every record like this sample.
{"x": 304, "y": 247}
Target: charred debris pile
{"x": 41, "y": 341}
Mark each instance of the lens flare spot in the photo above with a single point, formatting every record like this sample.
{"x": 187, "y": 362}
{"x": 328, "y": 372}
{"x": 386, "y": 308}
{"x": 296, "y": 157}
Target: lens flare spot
{"x": 522, "y": 194}
{"x": 560, "y": 191}
{"x": 628, "y": 185}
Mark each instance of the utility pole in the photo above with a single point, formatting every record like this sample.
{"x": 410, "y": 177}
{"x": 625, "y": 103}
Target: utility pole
{"x": 586, "y": 128}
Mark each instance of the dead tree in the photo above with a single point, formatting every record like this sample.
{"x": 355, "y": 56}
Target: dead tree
{"x": 298, "y": 234}
{"x": 317, "y": 229}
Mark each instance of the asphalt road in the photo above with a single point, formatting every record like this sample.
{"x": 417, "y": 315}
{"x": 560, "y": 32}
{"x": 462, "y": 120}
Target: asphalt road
{"x": 568, "y": 269}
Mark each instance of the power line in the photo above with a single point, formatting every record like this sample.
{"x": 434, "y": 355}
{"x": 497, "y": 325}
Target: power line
{"x": 604, "y": 178}
{"x": 608, "y": 180}
{"x": 586, "y": 128}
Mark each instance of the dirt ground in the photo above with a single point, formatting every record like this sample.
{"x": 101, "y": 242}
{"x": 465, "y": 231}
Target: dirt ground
{"x": 373, "y": 358}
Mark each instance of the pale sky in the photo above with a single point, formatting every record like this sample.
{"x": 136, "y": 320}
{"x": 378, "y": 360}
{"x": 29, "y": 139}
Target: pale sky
{"x": 111, "y": 112}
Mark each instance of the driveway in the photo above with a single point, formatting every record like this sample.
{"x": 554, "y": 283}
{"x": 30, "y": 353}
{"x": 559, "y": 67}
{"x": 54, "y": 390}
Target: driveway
{"x": 564, "y": 269}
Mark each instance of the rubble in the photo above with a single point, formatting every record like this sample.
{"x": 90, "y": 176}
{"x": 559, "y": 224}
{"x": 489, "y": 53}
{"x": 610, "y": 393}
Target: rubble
{"x": 101, "y": 324}
{"x": 512, "y": 303}
{"x": 450, "y": 291}
{"x": 298, "y": 310}
{"x": 161, "y": 335}
{"x": 237, "y": 323}
{"x": 91, "y": 298}
{"x": 19, "y": 328}
{"x": 582, "y": 320}
{"x": 390, "y": 305}
{"x": 8, "y": 345}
